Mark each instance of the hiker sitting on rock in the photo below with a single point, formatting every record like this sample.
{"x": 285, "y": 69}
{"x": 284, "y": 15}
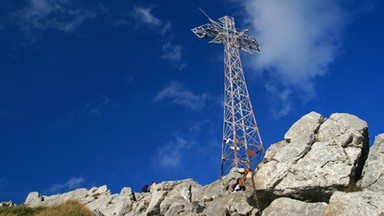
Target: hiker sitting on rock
{"x": 238, "y": 186}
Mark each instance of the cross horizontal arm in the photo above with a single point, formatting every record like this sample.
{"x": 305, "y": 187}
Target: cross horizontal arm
{"x": 219, "y": 33}
{"x": 206, "y": 31}
{"x": 248, "y": 43}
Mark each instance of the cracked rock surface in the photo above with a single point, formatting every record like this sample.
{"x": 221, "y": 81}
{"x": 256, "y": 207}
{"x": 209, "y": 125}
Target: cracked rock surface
{"x": 291, "y": 207}
{"x": 317, "y": 157}
{"x": 373, "y": 172}
{"x": 365, "y": 202}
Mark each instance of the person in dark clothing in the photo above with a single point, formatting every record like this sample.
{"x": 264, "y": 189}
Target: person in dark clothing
{"x": 145, "y": 188}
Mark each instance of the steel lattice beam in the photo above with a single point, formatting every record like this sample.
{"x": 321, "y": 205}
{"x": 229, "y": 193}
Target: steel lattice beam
{"x": 241, "y": 145}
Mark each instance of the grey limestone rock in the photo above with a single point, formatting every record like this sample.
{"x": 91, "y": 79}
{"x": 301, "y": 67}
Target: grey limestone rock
{"x": 168, "y": 198}
{"x": 34, "y": 199}
{"x": 363, "y": 203}
{"x": 287, "y": 206}
{"x": 317, "y": 157}
{"x": 305, "y": 129}
{"x": 373, "y": 172}
{"x": 217, "y": 188}
{"x": 97, "y": 199}
{"x": 7, "y": 204}
{"x": 187, "y": 197}
{"x": 180, "y": 195}
{"x": 154, "y": 205}
{"x": 231, "y": 204}
{"x": 182, "y": 208}
{"x": 139, "y": 208}
{"x": 110, "y": 204}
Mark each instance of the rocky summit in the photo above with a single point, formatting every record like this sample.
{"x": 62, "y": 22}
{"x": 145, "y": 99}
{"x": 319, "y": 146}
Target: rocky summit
{"x": 323, "y": 166}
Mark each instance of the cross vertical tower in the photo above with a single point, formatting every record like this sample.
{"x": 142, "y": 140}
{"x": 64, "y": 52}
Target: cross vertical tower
{"x": 241, "y": 145}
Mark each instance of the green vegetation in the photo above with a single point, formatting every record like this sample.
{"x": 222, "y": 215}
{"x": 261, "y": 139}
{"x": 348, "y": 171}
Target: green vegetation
{"x": 69, "y": 208}
{"x": 19, "y": 210}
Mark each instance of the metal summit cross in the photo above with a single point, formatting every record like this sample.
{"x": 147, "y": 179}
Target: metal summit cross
{"x": 241, "y": 144}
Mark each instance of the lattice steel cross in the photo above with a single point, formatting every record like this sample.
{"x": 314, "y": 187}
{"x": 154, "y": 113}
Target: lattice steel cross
{"x": 241, "y": 145}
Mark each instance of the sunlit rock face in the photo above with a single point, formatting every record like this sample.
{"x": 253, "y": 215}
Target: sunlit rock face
{"x": 318, "y": 157}
{"x": 373, "y": 172}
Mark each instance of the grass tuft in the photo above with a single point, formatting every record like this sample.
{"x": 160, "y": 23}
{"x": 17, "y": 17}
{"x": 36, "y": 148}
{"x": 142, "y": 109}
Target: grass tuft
{"x": 19, "y": 210}
{"x": 69, "y": 208}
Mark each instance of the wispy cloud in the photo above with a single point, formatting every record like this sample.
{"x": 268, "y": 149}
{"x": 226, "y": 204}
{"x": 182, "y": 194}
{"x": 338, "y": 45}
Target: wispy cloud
{"x": 92, "y": 110}
{"x": 98, "y": 109}
{"x": 171, "y": 51}
{"x": 177, "y": 93}
{"x": 299, "y": 40}
{"x": 187, "y": 144}
{"x": 145, "y": 16}
{"x": 51, "y": 14}
{"x": 171, "y": 154}
{"x": 72, "y": 183}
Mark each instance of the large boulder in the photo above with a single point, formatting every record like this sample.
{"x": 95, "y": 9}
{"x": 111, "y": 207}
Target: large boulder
{"x": 187, "y": 197}
{"x": 168, "y": 198}
{"x": 34, "y": 199}
{"x": 288, "y": 206}
{"x": 217, "y": 188}
{"x": 154, "y": 204}
{"x": 317, "y": 157}
{"x": 373, "y": 172}
{"x": 363, "y": 203}
{"x": 180, "y": 198}
{"x": 219, "y": 200}
{"x": 7, "y": 204}
{"x": 97, "y": 199}
{"x": 82, "y": 195}
{"x": 231, "y": 204}
{"x": 140, "y": 207}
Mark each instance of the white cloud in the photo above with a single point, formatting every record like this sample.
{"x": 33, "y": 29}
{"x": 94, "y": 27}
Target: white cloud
{"x": 170, "y": 51}
{"x": 173, "y": 53}
{"x": 178, "y": 94}
{"x": 299, "y": 40}
{"x": 71, "y": 184}
{"x": 166, "y": 28}
{"x": 144, "y": 15}
{"x": 98, "y": 110}
{"x": 185, "y": 145}
{"x": 171, "y": 154}
{"x": 51, "y": 14}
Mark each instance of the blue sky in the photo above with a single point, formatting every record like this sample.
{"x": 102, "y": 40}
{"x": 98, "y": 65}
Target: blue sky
{"x": 123, "y": 93}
